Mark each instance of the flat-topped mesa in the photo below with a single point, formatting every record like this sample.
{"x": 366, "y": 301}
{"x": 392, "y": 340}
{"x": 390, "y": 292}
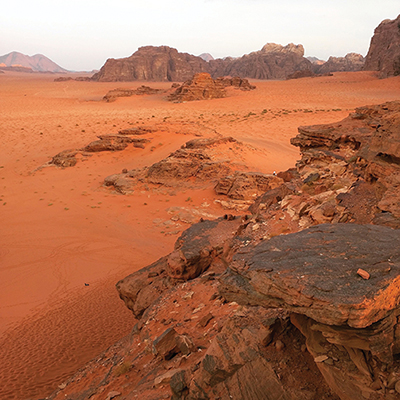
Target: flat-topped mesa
{"x": 384, "y": 51}
{"x": 151, "y": 63}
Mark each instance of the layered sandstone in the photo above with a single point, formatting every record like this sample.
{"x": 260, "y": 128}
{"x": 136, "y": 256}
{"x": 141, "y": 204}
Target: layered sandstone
{"x": 163, "y": 63}
{"x": 152, "y": 63}
{"x": 384, "y": 51}
{"x": 296, "y": 299}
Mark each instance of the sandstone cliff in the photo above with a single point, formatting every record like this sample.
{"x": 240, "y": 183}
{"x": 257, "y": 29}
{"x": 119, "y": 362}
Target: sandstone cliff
{"x": 151, "y": 63}
{"x": 240, "y": 310}
{"x": 384, "y": 50}
{"x": 163, "y": 63}
{"x": 273, "y": 61}
{"x": 351, "y": 62}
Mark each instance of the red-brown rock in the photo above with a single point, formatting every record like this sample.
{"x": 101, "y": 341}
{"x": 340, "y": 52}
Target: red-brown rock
{"x": 384, "y": 51}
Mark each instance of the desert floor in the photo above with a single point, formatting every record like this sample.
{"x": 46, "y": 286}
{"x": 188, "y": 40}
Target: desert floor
{"x": 61, "y": 228}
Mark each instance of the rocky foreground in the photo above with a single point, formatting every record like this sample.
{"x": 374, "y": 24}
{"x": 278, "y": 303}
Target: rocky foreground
{"x": 298, "y": 298}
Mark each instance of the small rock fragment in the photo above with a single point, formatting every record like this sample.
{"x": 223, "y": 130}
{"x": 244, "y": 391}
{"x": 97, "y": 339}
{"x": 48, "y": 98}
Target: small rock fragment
{"x": 321, "y": 358}
{"x": 279, "y": 345}
{"x": 364, "y": 274}
{"x": 205, "y": 320}
{"x": 112, "y": 394}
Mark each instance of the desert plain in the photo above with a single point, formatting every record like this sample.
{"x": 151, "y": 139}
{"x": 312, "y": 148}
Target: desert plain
{"x": 66, "y": 239}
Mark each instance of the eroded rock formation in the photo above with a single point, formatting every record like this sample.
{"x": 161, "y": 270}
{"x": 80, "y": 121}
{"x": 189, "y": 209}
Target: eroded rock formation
{"x": 351, "y": 62}
{"x": 152, "y": 63}
{"x": 163, "y": 63}
{"x": 297, "y": 299}
{"x": 200, "y": 87}
{"x": 384, "y": 51}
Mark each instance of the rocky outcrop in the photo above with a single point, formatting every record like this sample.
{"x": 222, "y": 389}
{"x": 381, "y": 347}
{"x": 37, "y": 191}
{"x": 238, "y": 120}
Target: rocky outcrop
{"x": 351, "y": 62}
{"x": 199, "y": 162}
{"x": 236, "y": 82}
{"x": 111, "y": 142}
{"x": 297, "y": 299}
{"x": 384, "y": 51}
{"x": 273, "y": 61}
{"x": 200, "y": 87}
{"x": 151, "y": 63}
{"x": 316, "y": 273}
{"x": 163, "y": 63}
{"x": 112, "y": 95}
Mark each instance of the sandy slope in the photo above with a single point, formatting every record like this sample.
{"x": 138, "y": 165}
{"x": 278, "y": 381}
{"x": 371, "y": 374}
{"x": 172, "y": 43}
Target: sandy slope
{"x": 62, "y": 229}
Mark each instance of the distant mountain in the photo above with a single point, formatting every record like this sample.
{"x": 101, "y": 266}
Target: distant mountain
{"x": 38, "y": 62}
{"x": 206, "y": 56}
{"x": 315, "y": 60}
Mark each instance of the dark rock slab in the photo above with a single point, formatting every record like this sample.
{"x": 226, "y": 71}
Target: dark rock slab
{"x": 314, "y": 272}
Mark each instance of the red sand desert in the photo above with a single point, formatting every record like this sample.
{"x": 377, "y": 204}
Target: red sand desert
{"x": 62, "y": 229}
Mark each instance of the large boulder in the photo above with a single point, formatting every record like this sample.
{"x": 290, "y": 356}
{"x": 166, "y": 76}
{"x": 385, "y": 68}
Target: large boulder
{"x": 341, "y": 282}
{"x": 384, "y": 51}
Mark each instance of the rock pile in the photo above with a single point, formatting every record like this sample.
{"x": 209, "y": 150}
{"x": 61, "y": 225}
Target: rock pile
{"x": 200, "y": 87}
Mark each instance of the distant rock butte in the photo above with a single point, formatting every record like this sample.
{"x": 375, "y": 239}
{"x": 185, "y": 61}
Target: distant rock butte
{"x": 351, "y": 62}
{"x": 384, "y": 51}
{"x": 38, "y": 62}
{"x": 163, "y": 63}
{"x": 151, "y": 63}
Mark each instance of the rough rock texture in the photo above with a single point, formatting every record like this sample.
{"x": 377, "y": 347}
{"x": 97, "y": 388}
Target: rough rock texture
{"x": 111, "y": 142}
{"x": 151, "y": 63}
{"x": 199, "y": 162}
{"x": 247, "y": 185}
{"x": 286, "y": 302}
{"x": 273, "y": 61}
{"x": 200, "y": 87}
{"x": 351, "y": 62}
{"x": 314, "y": 273}
{"x": 236, "y": 82}
{"x": 384, "y": 51}
{"x": 163, "y": 63}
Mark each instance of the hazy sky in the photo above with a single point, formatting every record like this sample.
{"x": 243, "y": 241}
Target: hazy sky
{"x": 82, "y": 34}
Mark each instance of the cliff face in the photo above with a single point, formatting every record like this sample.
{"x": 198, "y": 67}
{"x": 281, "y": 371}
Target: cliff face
{"x": 167, "y": 64}
{"x": 152, "y": 64}
{"x": 384, "y": 50}
{"x": 273, "y": 61}
{"x": 351, "y": 62}
{"x": 240, "y": 310}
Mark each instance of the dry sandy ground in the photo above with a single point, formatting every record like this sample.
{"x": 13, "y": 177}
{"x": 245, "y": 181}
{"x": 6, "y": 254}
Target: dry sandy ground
{"x": 62, "y": 229}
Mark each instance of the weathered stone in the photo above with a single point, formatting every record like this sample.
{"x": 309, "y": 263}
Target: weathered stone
{"x": 199, "y": 245}
{"x": 282, "y": 271}
{"x": 165, "y": 345}
{"x": 384, "y": 51}
{"x": 200, "y": 87}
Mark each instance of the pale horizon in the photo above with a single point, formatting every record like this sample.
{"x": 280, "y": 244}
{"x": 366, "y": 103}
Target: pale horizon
{"x": 81, "y": 36}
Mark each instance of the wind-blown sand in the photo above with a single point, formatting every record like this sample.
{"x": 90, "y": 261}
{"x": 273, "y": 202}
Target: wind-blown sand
{"x": 62, "y": 229}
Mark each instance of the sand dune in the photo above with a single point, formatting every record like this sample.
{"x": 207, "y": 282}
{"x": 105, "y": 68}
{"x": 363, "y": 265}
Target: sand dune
{"x": 61, "y": 228}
